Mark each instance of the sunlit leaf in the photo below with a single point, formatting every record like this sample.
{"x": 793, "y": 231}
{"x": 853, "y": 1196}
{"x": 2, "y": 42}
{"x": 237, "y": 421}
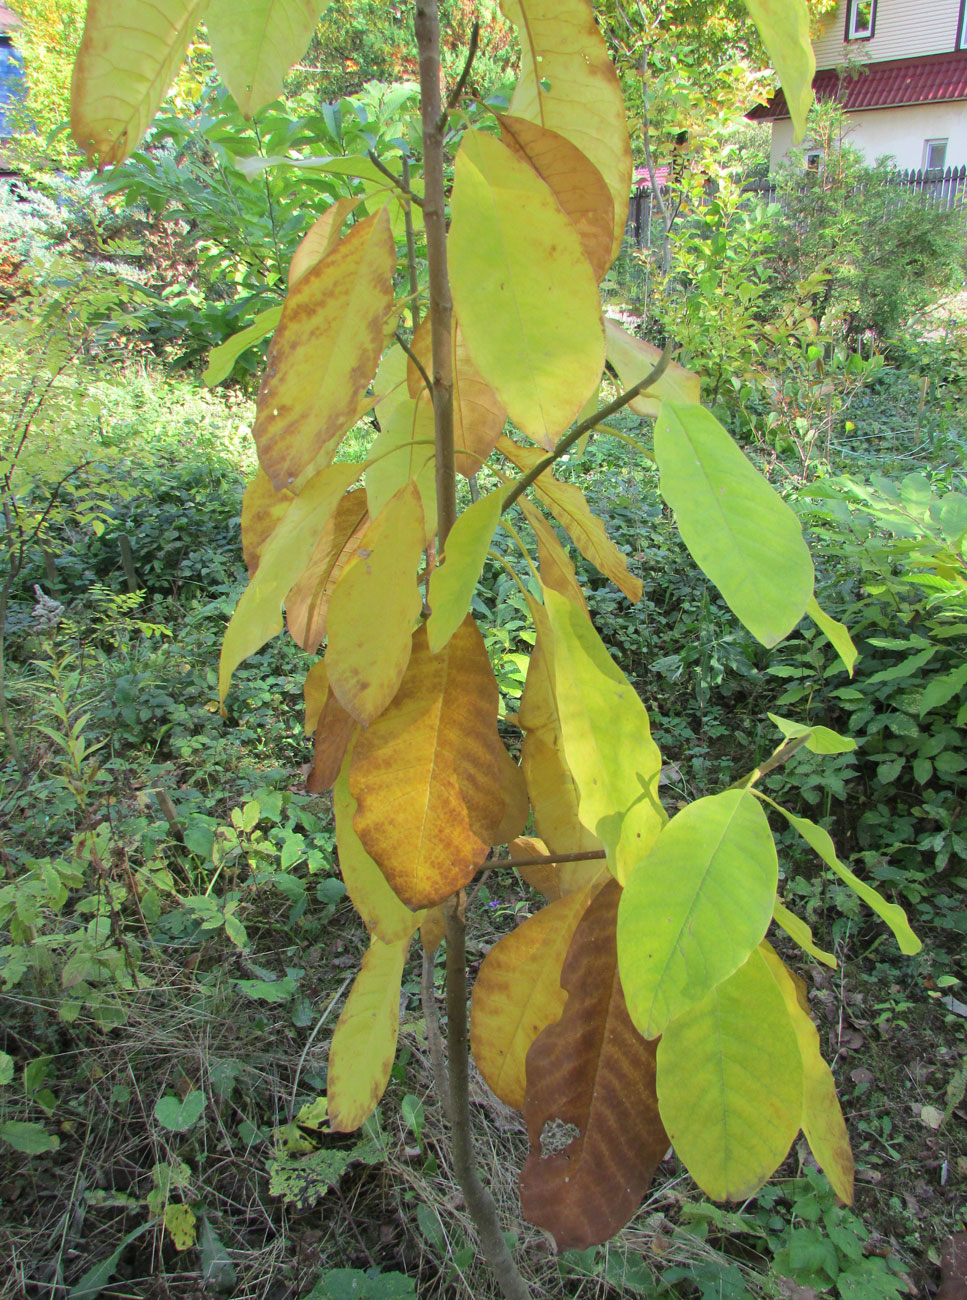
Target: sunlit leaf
{"x": 324, "y": 352}
{"x": 263, "y": 509}
{"x": 321, "y": 238}
{"x": 835, "y": 633}
{"x": 128, "y": 57}
{"x": 374, "y": 608}
{"x": 452, "y": 582}
{"x": 531, "y": 324}
{"x": 739, "y": 532}
{"x": 593, "y": 1070}
{"x": 427, "y": 774}
{"x": 730, "y": 1083}
{"x": 222, "y": 360}
{"x": 255, "y": 43}
{"x": 404, "y": 449}
{"x": 557, "y": 571}
{"x": 819, "y": 740}
{"x": 784, "y": 28}
{"x": 568, "y": 84}
{"x": 307, "y": 604}
{"x": 633, "y": 359}
{"x": 364, "y": 1044}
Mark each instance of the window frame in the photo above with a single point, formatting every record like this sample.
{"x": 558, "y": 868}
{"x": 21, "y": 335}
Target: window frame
{"x": 927, "y": 145}
{"x": 852, "y": 9}
{"x": 961, "y": 43}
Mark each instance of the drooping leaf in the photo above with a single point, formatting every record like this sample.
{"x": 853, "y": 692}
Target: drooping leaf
{"x": 739, "y": 532}
{"x": 374, "y": 607}
{"x": 695, "y": 907}
{"x": 800, "y": 933}
{"x": 835, "y": 633}
{"x": 822, "y": 1117}
{"x": 513, "y": 789}
{"x": 820, "y": 842}
{"x": 633, "y": 359}
{"x": 784, "y": 28}
{"x": 364, "y": 1043}
{"x": 569, "y": 507}
{"x": 531, "y": 324}
{"x": 555, "y": 879}
{"x": 324, "y": 352}
{"x": 321, "y": 238}
{"x": 821, "y": 740}
{"x": 307, "y": 603}
{"x": 384, "y": 915}
{"x": 434, "y": 929}
{"x": 263, "y": 509}
{"x": 453, "y": 581}
{"x": 334, "y": 730}
{"x": 568, "y": 84}
{"x": 222, "y": 359}
{"x": 573, "y": 179}
{"x": 607, "y": 739}
{"x": 557, "y": 571}
{"x": 427, "y": 774}
{"x": 128, "y": 57}
{"x": 255, "y": 43}
{"x": 517, "y": 993}
{"x": 591, "y": 1069}
{"x": 730, "y": 1083}
{"x": 258, "y": 614}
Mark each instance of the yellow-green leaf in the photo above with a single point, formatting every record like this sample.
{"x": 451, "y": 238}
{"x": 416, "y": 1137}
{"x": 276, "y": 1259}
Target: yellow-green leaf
{"x": 738, "y": 530}
{"x": 452, "y": 583}
{"x": 784, "y": 28}
{"x": 427, "y": 772}
{"x": 384, "y": 915}
{"x": 730, "y": 1083}
{"x": 321, "y": 238}
{"x": 258, "y": 614}
{"x": 567, "y": 504}
{"x": 404, "y": 448}
{"x": 222, "y": 359}
{"x": 607, "y": 739}
{"x": 324, "y": 352}
{"x": 633, "y": 359}
{"x": 128, "y": 57}
{"x": 820, "y": 740}
{"x": 531, "y": 322}
{"x": 835, "y": 633}
{"x": 307, "y": 604}
{"x": 695, "y": 907}
{"x": 821, "y": 843}
{"x": 374, "y": 608}
{"x": 557, "y": 571}
{"x": 180, "y": 1222}
{"x": 800, "y": 933}
{"x": 568, "y": 84}
{"x": 364, "y": 1043}
{"x": 255, "y": 43}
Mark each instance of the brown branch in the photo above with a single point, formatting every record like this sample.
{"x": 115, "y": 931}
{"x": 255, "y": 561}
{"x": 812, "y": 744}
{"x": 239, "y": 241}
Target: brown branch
{"x": 457, "y": 91}
{"x": 547, "y": 859}
{"x": 416, "y": 361}
{"x": 411, "y": 255}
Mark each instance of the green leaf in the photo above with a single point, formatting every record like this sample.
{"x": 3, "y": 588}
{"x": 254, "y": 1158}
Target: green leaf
{"x": 354, "y": 1284}
{"x": 222, "y": 360}
{"x": 607, "y": 738}
{"x": 821, "y": 739}
{"x": 90, "y": 1286}
{"x": 255, "y": 43}
{"x": 31, "y": 1139}
{"x": 800, "y": 933}
{"x": 784, "y": 28}
{"x": 695, "y": 908}
{"x": 738, "y": 531}
{"x": 835, "y": 633}
{"x": 217, "y": 1269}
{"x": 730, "y": 1083}
{"x": 179, "y": 1114}
{"x": 6, "y": 1068}
{"x": 820, "y": 842}
{"x": 941, "y": 689}
{"x": 267, "y": 990}
{"x": 906, "y": 667}
{"x": 452, "y": 583}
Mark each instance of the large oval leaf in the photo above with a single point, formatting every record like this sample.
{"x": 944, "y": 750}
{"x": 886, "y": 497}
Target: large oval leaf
{"x": 739, "y": 532}
{"x": 531, "y": 320}
{"x": 784, "y": 28}
{"x": 695, "y": 907}
{"x": 255, "y": 43}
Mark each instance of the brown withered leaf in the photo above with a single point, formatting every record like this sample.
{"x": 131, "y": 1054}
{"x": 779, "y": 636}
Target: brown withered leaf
{"x": 517, "y": 808}
{"x": 307, "y": 604}
{"x": 591, "y": 1069}
{"x": 426, "y": 774}
{"x": 325, "y": 351}
{"x": 334, "y": 730}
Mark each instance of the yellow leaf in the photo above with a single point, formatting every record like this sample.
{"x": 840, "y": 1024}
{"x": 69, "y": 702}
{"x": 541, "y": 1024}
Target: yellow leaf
{"x": 453, "y": 581}
{"x": 321, "y": 238}
{"x": 263, "y": 509}
{"x": 128, "y": 57}
{"x": 557, "y": 571}
{"x": 384, "y": 915}
{"x": 567, "y": 504}
{"x": 552, "y": 879}
{"x": 307, "y": 604}
{"x": 573, "y": 179}
{"x": 513, "y": 789}
{"x": 374, "y": 607}
{"x": 427, "y": 772}
{"x": 404, "y": 449}
{"x": 531, "y": 323}
{"x": 800, "y": 933}
{"x": 822, "y": 1118}
{"x": 258, "y": 614}
{"x": 364, "y": 1043}
{"x": 634, "y": 359}
{"x": 518, "y": 993}
{"x": 324, "y": 352}
{"x": 568, "y": 84}
{"x": 180, "y": 1222}
{"x": 255, "y": 43}
{"x": 434, "y": 929}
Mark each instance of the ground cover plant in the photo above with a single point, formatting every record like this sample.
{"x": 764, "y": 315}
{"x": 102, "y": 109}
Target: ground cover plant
{"x": 210, "y": 888}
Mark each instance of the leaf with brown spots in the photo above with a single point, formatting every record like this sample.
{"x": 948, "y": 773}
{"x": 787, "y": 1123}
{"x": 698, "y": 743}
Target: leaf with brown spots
{"x": 427, "y": 772}
{"x": 591, "y": 1069}
{"x": 263, "y": 509}
{"x": 321, "y": 238}
{"x": 307, "y": 604}
{"x": 324, "y": 352}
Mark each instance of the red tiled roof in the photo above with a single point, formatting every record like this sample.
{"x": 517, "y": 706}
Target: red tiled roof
{"x": 643, "y": 180}
{"x": 930, "y": 79}
{"x": 8, "y": 20}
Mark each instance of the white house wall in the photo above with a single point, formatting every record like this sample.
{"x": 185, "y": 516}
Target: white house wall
{"x": 897, "y": 132}
{"x": 903, "y": 29}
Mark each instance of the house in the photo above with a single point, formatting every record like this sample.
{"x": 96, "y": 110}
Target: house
{"x": 11, "y": 72}
{"x": 899, "y": 68}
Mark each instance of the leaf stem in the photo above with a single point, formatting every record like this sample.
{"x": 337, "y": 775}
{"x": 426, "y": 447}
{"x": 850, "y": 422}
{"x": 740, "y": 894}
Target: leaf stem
{"x": 401, "y": 185}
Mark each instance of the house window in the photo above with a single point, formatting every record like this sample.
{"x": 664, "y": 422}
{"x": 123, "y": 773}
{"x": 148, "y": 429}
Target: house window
{"x": 934, "y": 154}
{"x": 813, "y": 159}
{"x": 860, "y": 20}
{"x": 962, "y": 26}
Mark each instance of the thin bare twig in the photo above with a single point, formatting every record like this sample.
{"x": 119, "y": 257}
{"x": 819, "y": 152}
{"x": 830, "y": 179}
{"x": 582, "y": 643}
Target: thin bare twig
{"x": 457, "y": 91}
{"x": 391, "y": 176}
{"x": 416, "y": 361}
